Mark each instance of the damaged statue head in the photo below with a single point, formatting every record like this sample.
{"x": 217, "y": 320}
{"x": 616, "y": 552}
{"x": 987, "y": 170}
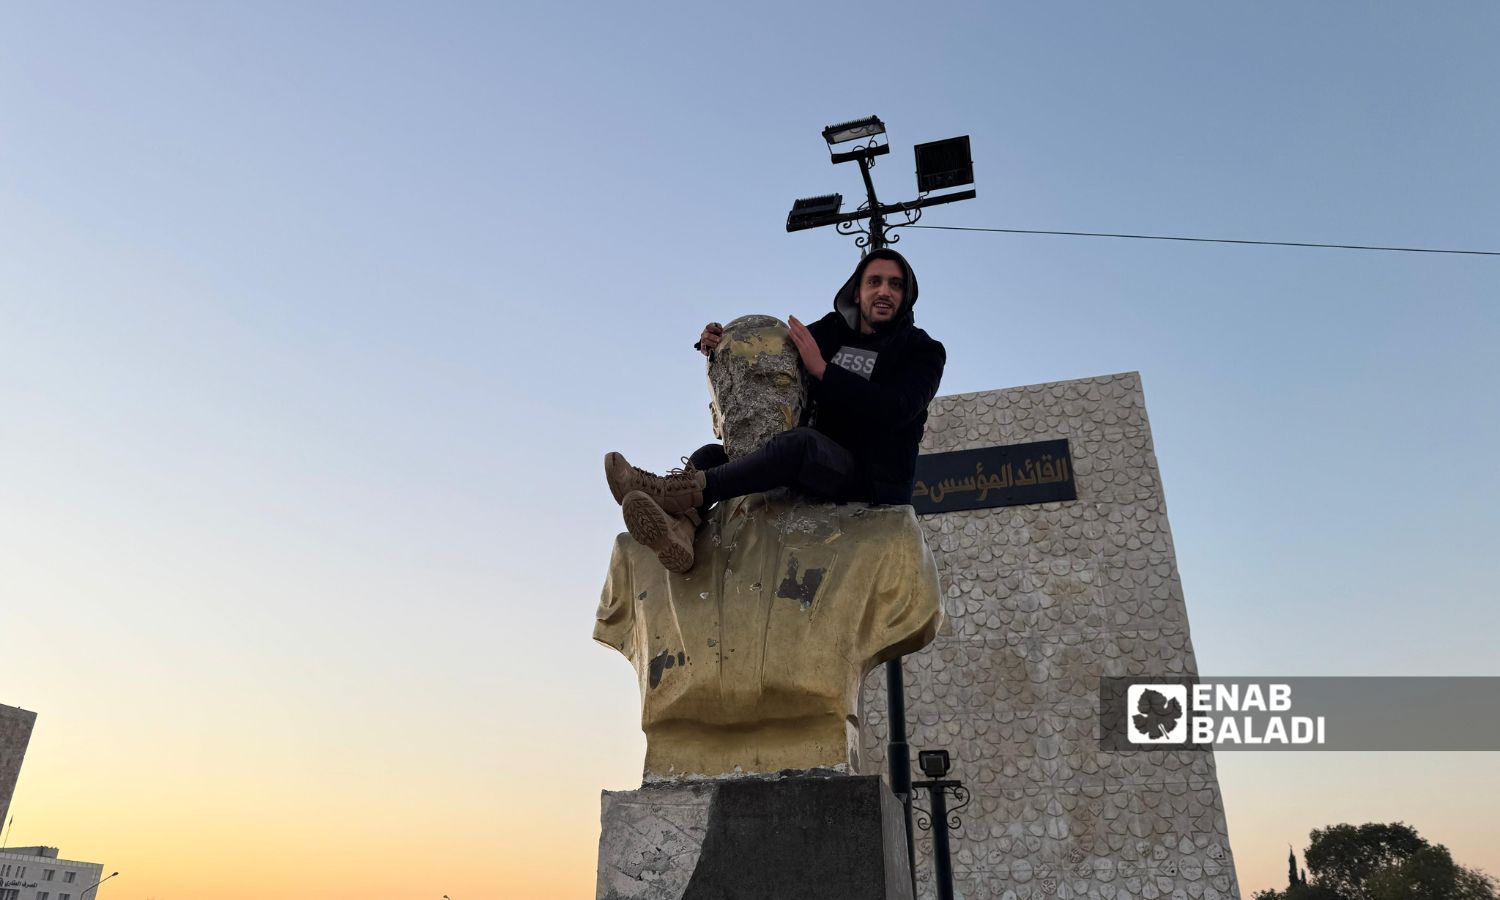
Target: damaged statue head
{"x": 758, "y": 387}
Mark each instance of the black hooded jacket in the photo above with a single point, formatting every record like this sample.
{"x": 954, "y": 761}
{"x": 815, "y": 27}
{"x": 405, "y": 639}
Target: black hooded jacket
{"x": 873, "y": 397}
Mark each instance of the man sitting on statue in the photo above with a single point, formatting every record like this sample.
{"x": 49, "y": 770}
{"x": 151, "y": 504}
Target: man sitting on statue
{"x": 871, "y": 374}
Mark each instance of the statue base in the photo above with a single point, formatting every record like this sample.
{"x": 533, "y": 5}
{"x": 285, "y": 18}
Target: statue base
{"x": 837, "y": 837}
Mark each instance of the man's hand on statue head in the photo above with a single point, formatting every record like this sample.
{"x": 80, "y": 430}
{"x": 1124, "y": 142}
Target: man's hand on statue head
{"x": 713, "y": 332}
{"x": 807, "y": 348}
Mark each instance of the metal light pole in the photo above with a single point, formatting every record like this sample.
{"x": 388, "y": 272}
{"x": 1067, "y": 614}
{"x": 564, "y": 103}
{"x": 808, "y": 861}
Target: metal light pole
{"x": 877, "y": 220}
{"x": 898, "y": 754}
{"x": 942, "y": 860}
{"x": 940, "y": 165}
{"x": 85, "y": 894}
{"x": 935, "y": 765}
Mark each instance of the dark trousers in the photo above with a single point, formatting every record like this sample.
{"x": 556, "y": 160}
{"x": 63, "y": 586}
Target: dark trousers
{"x": 803, "y": 458}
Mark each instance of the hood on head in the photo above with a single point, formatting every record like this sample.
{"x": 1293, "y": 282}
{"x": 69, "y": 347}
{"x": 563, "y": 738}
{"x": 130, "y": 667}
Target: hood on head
{"x": 846, "y": 301}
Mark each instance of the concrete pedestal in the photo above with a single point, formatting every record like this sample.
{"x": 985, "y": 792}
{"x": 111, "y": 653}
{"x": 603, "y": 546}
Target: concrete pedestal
{"x": 839, "y": 837}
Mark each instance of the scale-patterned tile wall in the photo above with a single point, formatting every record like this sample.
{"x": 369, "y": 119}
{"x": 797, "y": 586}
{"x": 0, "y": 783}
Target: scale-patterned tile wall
{"x": 15, "y": 734}
{"x": 1041, "y": 601}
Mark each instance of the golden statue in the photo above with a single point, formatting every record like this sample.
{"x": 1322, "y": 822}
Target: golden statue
{"x": 752, "y": 661}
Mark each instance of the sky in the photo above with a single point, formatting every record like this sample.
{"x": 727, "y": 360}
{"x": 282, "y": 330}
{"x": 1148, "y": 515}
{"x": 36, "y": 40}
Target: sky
{"x": 316, "y": 319}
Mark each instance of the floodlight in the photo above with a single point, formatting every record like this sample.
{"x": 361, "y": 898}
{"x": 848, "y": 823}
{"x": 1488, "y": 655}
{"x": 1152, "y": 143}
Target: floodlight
{"x": 849, "y": 131}
{"x": 944, "y": 164}
{"x": 809, "y": 209}
{"x": 934, "y": 763}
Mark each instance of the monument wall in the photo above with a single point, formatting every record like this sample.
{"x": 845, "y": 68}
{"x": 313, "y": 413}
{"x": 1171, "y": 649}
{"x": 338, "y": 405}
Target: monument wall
{"x": 1041, "y": 601}
{"x": 15, "y": 734}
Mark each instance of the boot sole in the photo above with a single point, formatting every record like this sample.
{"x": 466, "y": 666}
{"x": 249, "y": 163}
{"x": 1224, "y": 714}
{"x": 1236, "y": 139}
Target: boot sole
{"x": 651, "y": 527}
{"x": 613, "y": 461}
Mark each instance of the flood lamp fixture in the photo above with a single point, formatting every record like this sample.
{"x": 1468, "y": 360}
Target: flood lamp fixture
{"x": 851, "y": 131}
{"x": 944, "y": 164}
{"x": 807, "y": 211}
{"x": 934, "y": 763}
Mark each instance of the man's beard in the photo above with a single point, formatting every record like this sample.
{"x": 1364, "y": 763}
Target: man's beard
{"x": 880, "y": 327}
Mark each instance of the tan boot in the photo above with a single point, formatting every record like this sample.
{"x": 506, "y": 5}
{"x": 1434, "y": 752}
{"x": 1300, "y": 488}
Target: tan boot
{"x": 677, "y": 492}
{"x": 653, "y": 527}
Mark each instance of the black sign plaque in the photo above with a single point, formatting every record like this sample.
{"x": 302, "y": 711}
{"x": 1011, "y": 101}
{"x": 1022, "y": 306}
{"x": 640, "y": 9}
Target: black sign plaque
{"x": 1014, "y": 475}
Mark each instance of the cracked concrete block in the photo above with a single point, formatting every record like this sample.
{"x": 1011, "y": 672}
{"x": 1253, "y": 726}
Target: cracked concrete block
{"x": 834, "y": 837}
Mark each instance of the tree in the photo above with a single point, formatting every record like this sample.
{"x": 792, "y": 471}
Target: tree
{"x": 1297, "y": 887}
{"x": 1342, "y": 858}
{"x": 1299, "y": 892}
{"x": 1428, "y": 874}
{"x": 1475, "y": 885}
{"x": 1380, "y": 862}
{"x": 1431, "y": 874}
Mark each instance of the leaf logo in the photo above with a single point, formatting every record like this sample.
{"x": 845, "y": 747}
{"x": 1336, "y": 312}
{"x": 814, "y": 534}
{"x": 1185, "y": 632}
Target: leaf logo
{"x": 1158, "y": 717}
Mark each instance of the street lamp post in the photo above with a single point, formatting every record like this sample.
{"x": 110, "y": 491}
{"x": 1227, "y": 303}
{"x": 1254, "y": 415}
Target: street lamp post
{"x": 935, "y": 765}
{"x": 940, "y": 165}
{"x": 898, "y": 754}
{"x": 942, "y": 858}
{"x": 85, "y": 894}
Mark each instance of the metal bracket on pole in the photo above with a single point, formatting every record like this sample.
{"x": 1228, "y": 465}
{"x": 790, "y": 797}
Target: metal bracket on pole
{"x": 940, "y": 821}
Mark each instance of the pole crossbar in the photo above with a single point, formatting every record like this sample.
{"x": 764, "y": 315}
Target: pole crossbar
{"x": 885, "y": 209}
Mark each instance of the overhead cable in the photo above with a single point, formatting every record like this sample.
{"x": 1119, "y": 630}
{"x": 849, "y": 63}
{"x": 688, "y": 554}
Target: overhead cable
{"x": 1204, "y": 240}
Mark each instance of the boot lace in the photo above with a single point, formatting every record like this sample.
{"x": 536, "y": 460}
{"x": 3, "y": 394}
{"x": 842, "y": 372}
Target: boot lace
{"x": 687, "y": 468}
